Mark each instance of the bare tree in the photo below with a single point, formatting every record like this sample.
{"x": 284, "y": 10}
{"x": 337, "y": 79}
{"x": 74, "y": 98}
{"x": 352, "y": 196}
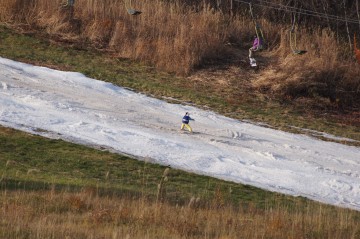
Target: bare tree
{"x": 347, "y": 25}
{"x": 357, "y": 11}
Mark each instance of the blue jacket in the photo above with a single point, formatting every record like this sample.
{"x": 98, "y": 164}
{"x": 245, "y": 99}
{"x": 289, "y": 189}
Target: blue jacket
{"x": 186, "y": 119}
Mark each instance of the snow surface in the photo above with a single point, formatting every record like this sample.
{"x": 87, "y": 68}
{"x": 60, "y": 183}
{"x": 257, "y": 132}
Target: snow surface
{"x": 72, "y": 107}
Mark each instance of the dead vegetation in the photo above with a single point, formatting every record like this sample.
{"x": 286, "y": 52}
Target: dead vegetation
{"x": 86, "y": 214}
{"x": 205, "y": 43}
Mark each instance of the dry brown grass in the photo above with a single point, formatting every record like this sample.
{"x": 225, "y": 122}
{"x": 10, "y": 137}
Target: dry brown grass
{"x": 85, "y": 214}
{"x": 170, "y": 36}
{"x": 357, "y": 51}
{"x": 320, "y": 73}
{"x": 166, "y": 35}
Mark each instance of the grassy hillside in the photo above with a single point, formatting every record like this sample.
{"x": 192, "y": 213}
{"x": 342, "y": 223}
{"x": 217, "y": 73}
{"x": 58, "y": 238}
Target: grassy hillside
{"x": 224, "y": 92}
{"x": 54, "y": 189}
{"x": 177, "y": 36}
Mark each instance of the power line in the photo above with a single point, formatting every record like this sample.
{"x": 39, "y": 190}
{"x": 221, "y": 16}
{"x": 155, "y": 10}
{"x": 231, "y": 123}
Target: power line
{"x": 319, "y": 14}
{"x": 301, "y": 11}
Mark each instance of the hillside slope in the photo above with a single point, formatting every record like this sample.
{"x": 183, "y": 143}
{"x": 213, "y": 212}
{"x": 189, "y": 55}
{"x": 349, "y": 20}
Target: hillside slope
{"x": 72, "y": 107}
{"x": 180, "y": 37}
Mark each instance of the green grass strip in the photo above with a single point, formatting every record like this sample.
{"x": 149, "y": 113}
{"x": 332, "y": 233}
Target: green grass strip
{"x": 33, "y": 162}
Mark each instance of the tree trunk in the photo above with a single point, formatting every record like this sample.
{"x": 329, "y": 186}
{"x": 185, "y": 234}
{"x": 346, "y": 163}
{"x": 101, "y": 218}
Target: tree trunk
{"x": 347, "y": 26}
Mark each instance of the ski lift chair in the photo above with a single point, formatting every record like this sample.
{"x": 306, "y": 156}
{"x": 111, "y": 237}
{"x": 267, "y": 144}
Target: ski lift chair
{"x": 293, "y": 39}
{"x": 130, "y": 9}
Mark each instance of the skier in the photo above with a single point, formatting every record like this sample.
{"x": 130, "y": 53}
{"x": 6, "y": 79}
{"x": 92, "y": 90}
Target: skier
{"x": 185, "y": 122}
{"x": 255, "y": 46}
